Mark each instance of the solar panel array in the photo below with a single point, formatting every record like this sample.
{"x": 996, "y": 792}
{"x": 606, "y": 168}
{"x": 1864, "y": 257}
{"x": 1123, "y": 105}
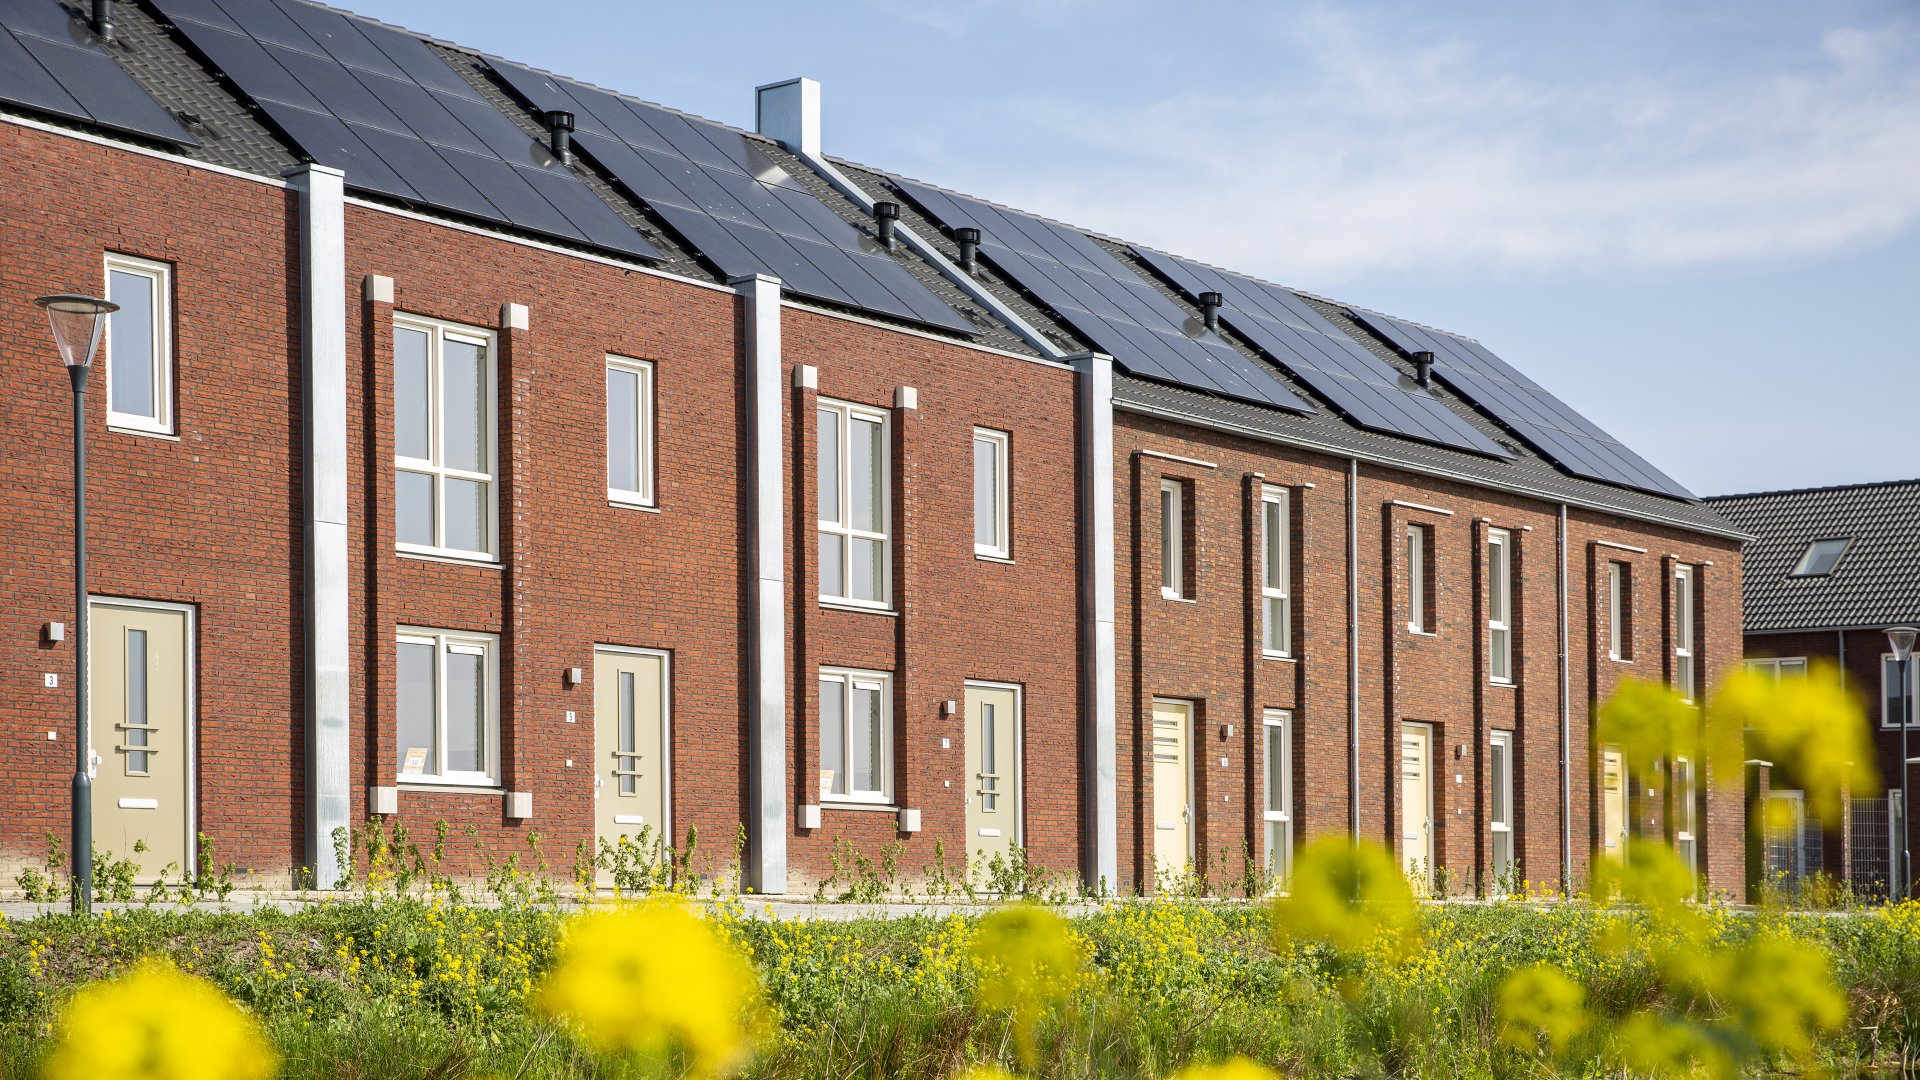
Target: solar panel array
{"x": 1569, "y": 439}
{"x": 730, "y": 201}
{"x": 1105, "y": 300}
{"x": 1358, "y": 383}
{"x": 51, "y": 63}
{"x": 383, "y": 106}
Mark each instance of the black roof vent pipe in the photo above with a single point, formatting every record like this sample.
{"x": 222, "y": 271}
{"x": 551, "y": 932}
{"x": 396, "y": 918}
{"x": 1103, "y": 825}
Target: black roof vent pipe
{"x": 1423, "y": 368}
{"x": 885, "y": 216}
{"x": 560, "y": 135}
{"x": 969, "y": 241}
{"x": 103, "y": 20}
{"x": 1210, "y": 310}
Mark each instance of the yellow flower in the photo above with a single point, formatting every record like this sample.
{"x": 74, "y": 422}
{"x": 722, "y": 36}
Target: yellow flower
{"x": 1538, "y": 1004}
{"x": 155, "y": 1023}
{"x": 1649, "y": 723}
{"x": 1811, "y": 721}
{"x": 1027, "y": 961}
{"x": 1352, "y": 897}
{"x": 1780, "y": 993}
{"x": 1238, "y": 1068}
{"x": 649, "y": 979}
{"x": 984, "y": 1072}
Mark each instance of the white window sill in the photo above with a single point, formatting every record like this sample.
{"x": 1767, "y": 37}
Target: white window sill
{"x": 878, "y": 808}
{"x": 1285, "y": 658}
{"x": 632, "y": 504}
{"x": 1506, "y": 683}
{"x": 835, "y": 605}
{"x": 449, "y": 786}
{"x": 1619, "y": 660}
{"x": 1178, "y": 599}
{"x": 984, "y": 557}
{"x": 457, "y": 560}
{"x": 1423, "y": 633}
{"x": 145, "y": 433}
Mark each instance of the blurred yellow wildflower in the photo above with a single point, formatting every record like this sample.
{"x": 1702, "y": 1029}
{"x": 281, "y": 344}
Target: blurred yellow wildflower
{"x": 1537, "y": 1005}
{"x": 1651, "y": 1045}
{"x": 1028, "y": 960}
{"x": 984, "y": 1072}
{"x": 649, "y": 979}
{"x": 1809, "y": 723}
{"x": 1780, "y": 993}
{"x": 157, "y": 1023}
{"x": 1649, "y": 723}
{"x": 1651, "y": 875}
{"x": 1350, "y": 896}
{"x": 1238, "y": 1068}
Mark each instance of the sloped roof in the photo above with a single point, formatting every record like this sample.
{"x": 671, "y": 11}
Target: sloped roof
{"x": 1876, "y": 583}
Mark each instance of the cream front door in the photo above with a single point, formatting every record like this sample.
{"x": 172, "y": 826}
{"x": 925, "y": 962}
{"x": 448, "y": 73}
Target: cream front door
{"x": 993, "y": 770}
{"x": 140, "y": 721}
{"x": 1613, "y": 805}
{"x": 630, "y": 782}
{"x": 1172, "y": 791}
{"x": 1416, "y": 802}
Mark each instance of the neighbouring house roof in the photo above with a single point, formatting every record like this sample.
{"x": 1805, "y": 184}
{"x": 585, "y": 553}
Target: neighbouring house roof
{"x": 1875, "y": 582}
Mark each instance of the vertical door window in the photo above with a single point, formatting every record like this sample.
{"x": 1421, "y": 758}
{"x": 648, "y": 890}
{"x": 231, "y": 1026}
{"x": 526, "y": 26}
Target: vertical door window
{"x": 1500, "y": 605}
{"x": 1683, "y": 680}
{"x": 1500, "y": 812}
{"x": 1417, "y": 580}
{"x": 1276, "y": 574}
{"x": 138, "y": 724}
{"x": 443, "y": 438}
{"x": 626, "y": 735}
{"x": 989, "y": 761}
{"x": 1173, "y": 540}
{"x": 446, "y": 718}
{"x": 990, "y": 496}
{"x": 1685, "y": 792}
{"x": 1277, "y": 813}
{"x": 139, "y": 346}
{"x": 1619, "y": 611}
{"x": 854, "y": 476}
{"x": 629, "y": 431}
{"x": 856, "y": 737}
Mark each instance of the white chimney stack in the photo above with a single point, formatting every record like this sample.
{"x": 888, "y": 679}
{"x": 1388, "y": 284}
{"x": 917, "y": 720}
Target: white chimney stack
{"x": 789, "y": 113}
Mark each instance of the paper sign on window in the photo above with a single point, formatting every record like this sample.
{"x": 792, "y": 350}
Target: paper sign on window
{"x": 416, "y": 761}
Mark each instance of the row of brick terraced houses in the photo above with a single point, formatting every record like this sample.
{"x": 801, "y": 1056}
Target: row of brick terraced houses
{"x": 407, "y": 510}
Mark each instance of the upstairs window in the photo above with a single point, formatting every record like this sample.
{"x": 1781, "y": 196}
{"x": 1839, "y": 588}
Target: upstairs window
{"x": 1276, "y": 574}
{"x": 1683, "y": 677}
{"x": 855, "y": 493}
{"x": 629, "y": 431}
{"x": 1779, "y": 667}
{"x": 139, "y": 347}
{"x": 1419, "y": 606}
{"x": 1173, "y": 540}
{"x": 1821, "y": 557}
{"x": 1619, "y": 611}
{"x": 1895, "y": 705}
{"x": 1500, "y": 605}
{"x": 990, "y": 513}
{"x": 443, "y": 438}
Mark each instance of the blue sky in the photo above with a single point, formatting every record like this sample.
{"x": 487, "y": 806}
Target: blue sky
{"x": 1698, "y": 223}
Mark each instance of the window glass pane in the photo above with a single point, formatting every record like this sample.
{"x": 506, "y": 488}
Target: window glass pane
{"x": 833, "y": 566}
{"x": 623, "y": 429}
{"x": 986, "y": 493}
{"x": 865, "y": 457}
{"x": 1277, "y": 848}
{"x": 1276, "y": 618}
{"x": 1276, "y": 769}
{"x": 412, "y": 395}
{"x": 131, "y": 344}
{"x": 1502, "y": 654}
{"x": 1275, "y": 564}
{"x": 413, "y": 508}
{"x": 869, "y": 741}
{"x": 1895, "y": 707}
{"x": 466, "y": 517}
{"x": 869, "y": 566}
{"x": 628, "y": 784}
{"x": 989, "y": 778}
{"x": 463, "y": 380}
{"x": 1171, "y": 541}
{"x": 136, "y": 700}
{"x": 466, "y": 712}
{"x": 414, "y": 706}
{"x": 1497, "y": 581}
{"x": 1501, "y": 781}
{"x": 829, "y": 465}
{"x": 833, "y": 734}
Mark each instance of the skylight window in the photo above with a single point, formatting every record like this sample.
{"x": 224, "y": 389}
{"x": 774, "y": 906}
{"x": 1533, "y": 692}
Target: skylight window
{"x": 1821, "y": 557}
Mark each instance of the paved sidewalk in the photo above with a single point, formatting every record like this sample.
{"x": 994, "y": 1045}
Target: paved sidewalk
{"x": 753, "y": 906}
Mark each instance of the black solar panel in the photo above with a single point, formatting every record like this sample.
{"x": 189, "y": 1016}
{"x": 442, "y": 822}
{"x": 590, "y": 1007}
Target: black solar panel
{"x": 1369, "y": 391}
{"x": 383, "y": 106}
{"x": 51, "y": 63}
{"x": 731, "y": 202}
{"x": 1105, "y": 300}
{"x": 1569, "y": 439}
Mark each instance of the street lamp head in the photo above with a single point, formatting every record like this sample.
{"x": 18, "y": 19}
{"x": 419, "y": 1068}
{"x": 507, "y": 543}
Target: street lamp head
{"x": 77, "y": 321}
{"x": 1901, "y": 638}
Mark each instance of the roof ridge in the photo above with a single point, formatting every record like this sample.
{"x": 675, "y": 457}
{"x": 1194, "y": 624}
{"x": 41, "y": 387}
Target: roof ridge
{"x": 1858, "y": 486}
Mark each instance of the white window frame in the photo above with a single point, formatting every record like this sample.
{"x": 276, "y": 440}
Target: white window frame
{"x": 881, "y": 684}
{"x": 843, "y": 528}
{"x": 1418, "y": 538}
{"x": 467, "y": 643}
{"x": 1001, "y": 546}
{"x": 1777, "y": 667}
{"x": 1888, "y": 668}
{"x": 1276, "y": 572}
{"x": 438, "y": 332}
{"x": 1801, "y": 567}
{"x": 1173, "y": 539}
{"x": 160, "y": 277}
{"x": 1500, "y": 606}
{"x": 1500, "y": 782}
{"x": 1619, "y": 604}
{"x": 1684, "y": 671}
{"x": 1686, "y": 794}
{"x": 644, "y": 413}
{"x": 1277, "y": 724}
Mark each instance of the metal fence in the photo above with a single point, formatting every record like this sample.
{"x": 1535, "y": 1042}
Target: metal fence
{"x": 1872, "y": 855}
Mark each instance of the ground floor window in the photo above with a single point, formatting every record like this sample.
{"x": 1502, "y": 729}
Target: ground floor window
{"x": 446, "y": 707}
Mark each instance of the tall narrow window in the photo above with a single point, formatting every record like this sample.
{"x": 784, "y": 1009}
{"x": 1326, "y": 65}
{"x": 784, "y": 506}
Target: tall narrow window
{"x": 1276, "y": 573}
{"x": 1683, "y": 682}
{"x": 1500, "y": 605}
{"x": 1173, "y": 540}
{"x": 1894, "y": 705}
{"x": 139, "y": 350}
{"x": 447, "y": 722}
{"x": 1500, "y": 815}
{"x": 1619, "y": 611}
{"x": 443, "y": 443}
{"x": 1278, "y": 811}
{"x": 855, "y": 485}
{"x": 1685, "y": 795}
{"x": 629, "y": 431}
{"x": 856, "y": 736}
{"x": 990, "y": 502}
{"x": 1417, "y": 580}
